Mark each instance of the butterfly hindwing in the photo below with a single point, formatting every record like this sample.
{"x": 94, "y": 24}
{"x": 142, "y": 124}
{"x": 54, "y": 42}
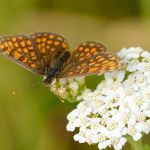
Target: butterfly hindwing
{"x": 91, "y": 58}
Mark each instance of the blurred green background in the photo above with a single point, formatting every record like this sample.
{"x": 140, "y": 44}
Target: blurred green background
{"x": 34, "y": 118}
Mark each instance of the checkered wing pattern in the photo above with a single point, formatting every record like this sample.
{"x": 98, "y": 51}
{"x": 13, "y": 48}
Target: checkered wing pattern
{"x": 50, "y": 46}
{"x": 91, "y": 58}
{"x": 33, "y": 52}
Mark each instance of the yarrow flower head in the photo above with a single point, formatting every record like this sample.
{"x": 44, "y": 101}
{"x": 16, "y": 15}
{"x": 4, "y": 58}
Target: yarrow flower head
{"x": 68, "y": 89}
{"x": 118, "y": 107}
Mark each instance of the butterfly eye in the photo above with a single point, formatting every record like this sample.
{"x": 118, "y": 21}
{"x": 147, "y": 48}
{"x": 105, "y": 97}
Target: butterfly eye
{"x": 47, "y": 80}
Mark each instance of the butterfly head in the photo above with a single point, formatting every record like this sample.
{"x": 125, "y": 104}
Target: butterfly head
{"x": 47, "y": 80}
{"x": 49, "y": 76}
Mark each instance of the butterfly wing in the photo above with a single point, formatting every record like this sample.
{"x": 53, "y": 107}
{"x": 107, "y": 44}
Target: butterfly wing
{"x": 50, "y": 46}
{"x": 33, "y": 52}
{"x": 91, "y": 58}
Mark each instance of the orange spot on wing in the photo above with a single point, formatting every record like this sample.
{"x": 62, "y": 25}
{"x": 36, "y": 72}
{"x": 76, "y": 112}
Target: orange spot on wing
{"x": 16, "y": 44}
{"x": 93, "y": 69}
{"x": 98, "y": 57}
{"x": 25, "y": 50}
{"x": 64, "y": 45}
{"x": 52, "y": 49}
{"x": 7, "y": 52}
{"x": 91, "y": 60}
{"x": 121, "y": 65}
{"x": 88, "y": 54}
{"x": 95, "y": 53}
{"x": 70, "y": 73}
{"x": 43, "y": 50}
{"x": 38, "y": 35}
{"x": 96, "y": 65}
{"x": 104, "y": 66}
{"x": 56, "y": 43}
{"x": 92, "y": 63}
{"x": 82, "y": 58}
{"x": 59, "y": 38}
{"x": 87, "y": 50}
{"x": 77, "y": 55}
{"x": 43, "y": 44}
{"x": 43, "y": 39}
{"x": 81, "y": 48}
{"x": 1, "y": 46}
{"x": 47, "y": 47}
{"x": 32, "y": 54}
{"x": 16, "y": 55}
{"x": 20, "y": 37}
{"x": 10, "y": 43}
{"x": 25, "y": 59}
{"x": 91, "y": 44}
{"x": 111, "y": 63}
{"x": 49, "y": 42}
{"x": 38, "y": 40}
{"x": 14, "y": 39}
{"x": 22, "y": 43}
{"x": 101, "y": 59}
{"x": 113, "y": 58}
{"x": 34, "y": 57}
{"x": 28, "y": 42}
{"x": 33, "y": 65}
{"x": 30, "y": 48}
{"x": 9, "y": 49}
{"x": 83, "y": 65}
{"x": 51, "y": 36}
{"x": 82, "y": 70}
{"x": 82, "y": 54}
{"x": 112, "y": 68}
{"x": 93, "y": 50}
{"x": 6, "y": 44}
{"x": 105, "y": 62}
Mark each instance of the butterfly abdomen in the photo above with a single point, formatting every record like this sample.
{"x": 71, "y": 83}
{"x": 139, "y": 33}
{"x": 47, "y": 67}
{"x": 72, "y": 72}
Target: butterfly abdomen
{"x": 54, "y": 70}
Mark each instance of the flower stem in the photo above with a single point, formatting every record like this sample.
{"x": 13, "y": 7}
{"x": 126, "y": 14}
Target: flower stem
{"x": 136, "y": 145}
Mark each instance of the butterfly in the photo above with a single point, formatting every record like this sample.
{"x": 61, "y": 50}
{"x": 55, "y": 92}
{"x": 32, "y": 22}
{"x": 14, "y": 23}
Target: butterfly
{"x": 47, "y": 54}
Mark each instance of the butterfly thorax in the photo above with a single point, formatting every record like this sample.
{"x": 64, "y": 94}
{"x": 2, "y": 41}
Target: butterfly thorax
{"x": 56, "y": 67}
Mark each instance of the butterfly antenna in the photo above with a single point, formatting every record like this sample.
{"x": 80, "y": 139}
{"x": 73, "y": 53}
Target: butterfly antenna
{"x": 34, "y": 84}
{"x": 14, "y": 92}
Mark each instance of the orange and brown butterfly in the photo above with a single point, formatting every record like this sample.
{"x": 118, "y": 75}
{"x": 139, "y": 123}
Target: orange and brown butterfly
{"x": 47, "y": 54}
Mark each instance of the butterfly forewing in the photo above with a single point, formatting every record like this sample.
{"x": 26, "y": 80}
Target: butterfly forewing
{"x": 50, "y": 45}
{"x": 33, "y": 52}
{"x": 21, "y": 49}
{"x": 91, "y": 58}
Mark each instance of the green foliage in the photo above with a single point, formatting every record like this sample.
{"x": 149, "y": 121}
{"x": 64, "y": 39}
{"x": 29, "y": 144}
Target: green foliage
{"x": 146, "y": 147}
{"x": 111, "y": 9}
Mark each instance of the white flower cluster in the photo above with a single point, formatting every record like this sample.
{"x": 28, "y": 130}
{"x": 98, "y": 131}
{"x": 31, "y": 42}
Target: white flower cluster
{"x": 68, "y": 89}
{"x": 119, "y": 107}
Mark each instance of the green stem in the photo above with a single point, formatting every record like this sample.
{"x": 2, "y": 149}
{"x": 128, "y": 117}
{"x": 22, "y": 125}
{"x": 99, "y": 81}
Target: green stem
{"x": 136, "y": 145}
